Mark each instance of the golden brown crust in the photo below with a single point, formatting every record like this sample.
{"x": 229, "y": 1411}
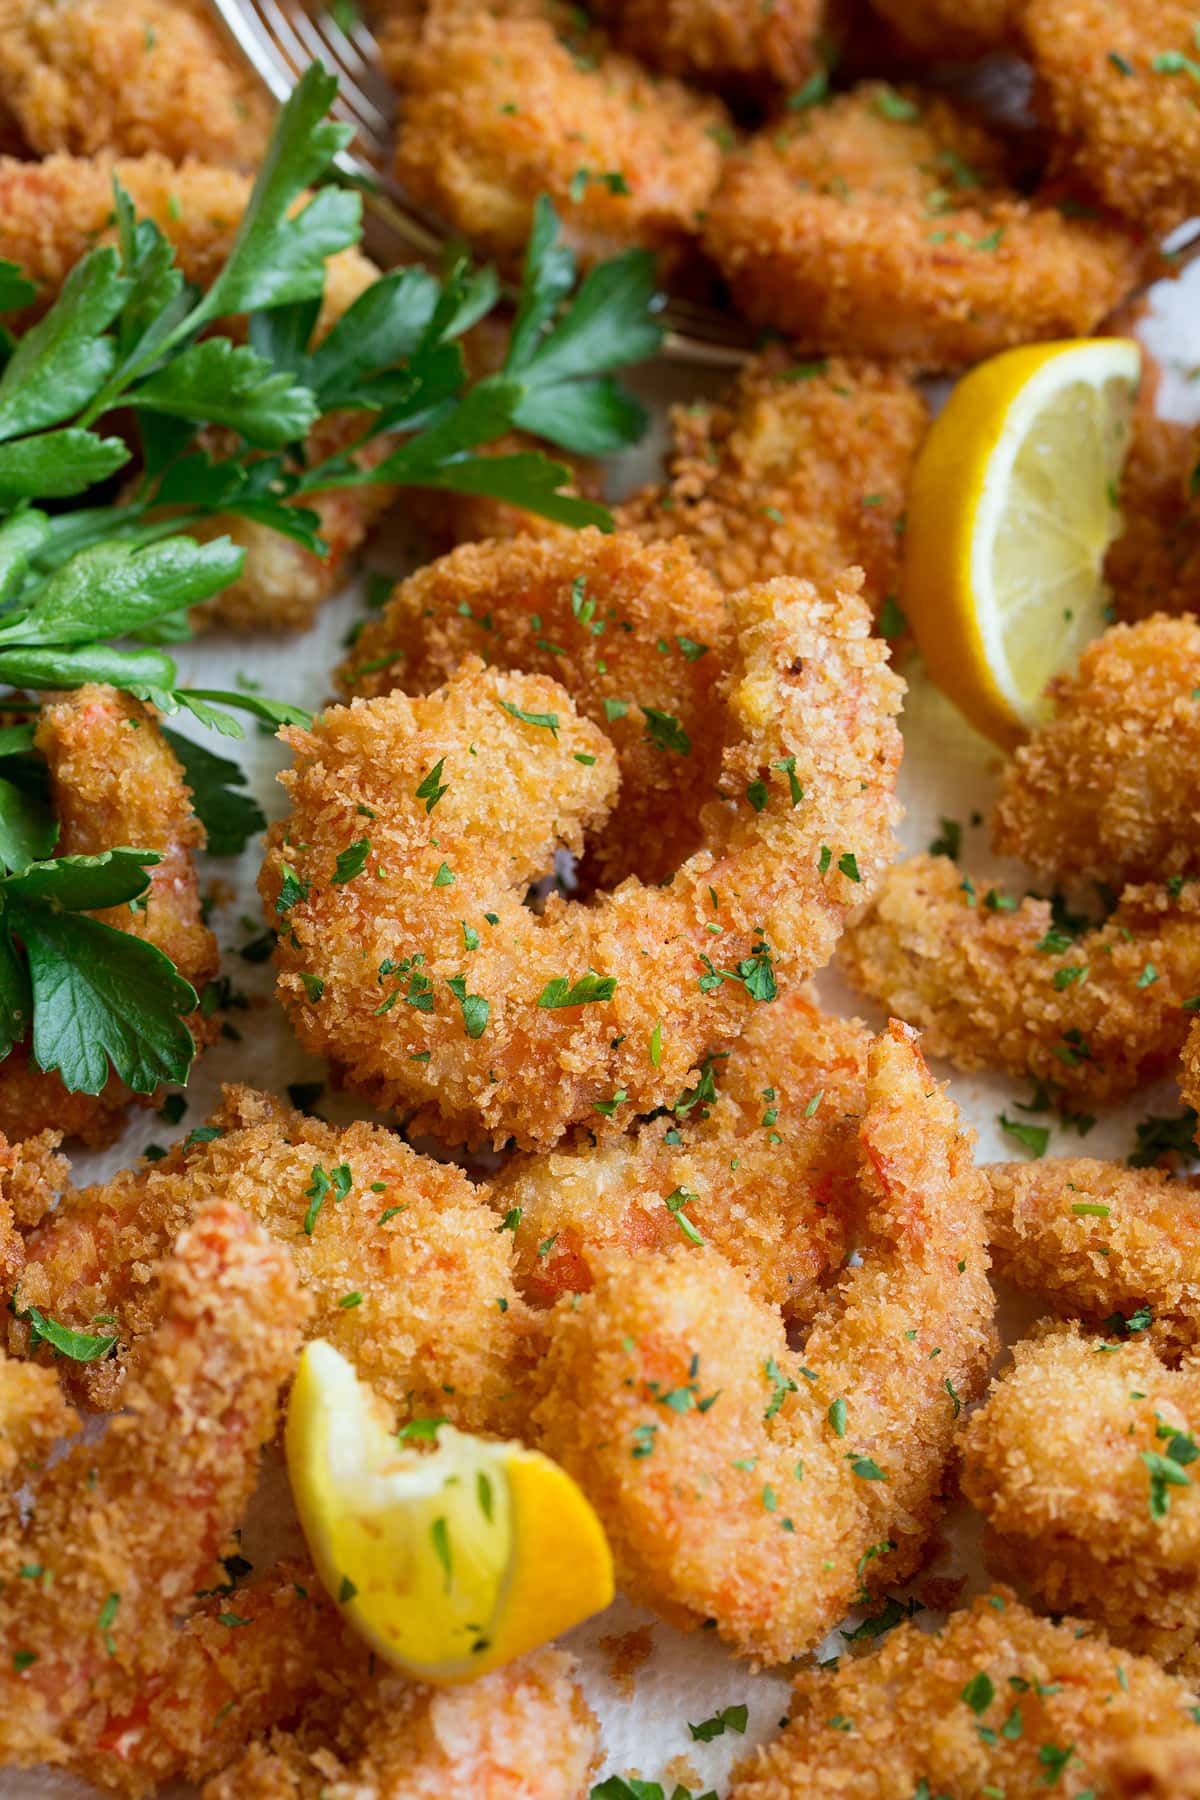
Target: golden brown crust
{"x": 623, "y": 626}
{"x": 89, "y": 75}
{"x": 877, "y": 1727}
{"x": 1154, "y": 565}
{"x": 724, "y": 43}
{"x": 741, "y": 1482}
{"x": 993, "y": 989}
{"x": 1106, "y": 789}
{"x": 784, "y": 857}
{"x": 801, "y": 468}
{"x": 825, "y": 231}
{"x": 945, "y": 29}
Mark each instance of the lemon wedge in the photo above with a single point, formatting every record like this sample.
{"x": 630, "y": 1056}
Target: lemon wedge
{"x": 450, "y": 1560}
{"x": 1012, "y": 506}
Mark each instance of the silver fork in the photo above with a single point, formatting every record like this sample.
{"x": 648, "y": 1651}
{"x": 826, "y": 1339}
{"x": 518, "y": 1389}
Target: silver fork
{"x": 279, "y": 38}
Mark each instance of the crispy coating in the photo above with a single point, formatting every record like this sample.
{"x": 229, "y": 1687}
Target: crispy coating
{"x": 34, "y": 1412}
{"x": 1105, "y": 790}
{"x": 53, "y": 212}
{"x": 1189, "y": 1074}
{"x": 764, "y": 1171}
{"x": 1096, "y": 1239}
{"x": 623, "y": 626}
{"x": 724, "y": 43}
{"x": 917, "y": 1717}
{"x": 800, "y": 834}
{"x": 1154, "y": 565}
{"x": 740, "y": 1482}
{"x": 1116, "y": 85}
{"x": 801, "y": 468}
{"x": 410, "y": 1235}
{"x": 523, "y": 1732}
{"x": 495, "y": 108}
{"x": 1076, "y": 1460}
{"x": 115, "y": 780}
{"x": 1095, "y": 1014}
{"x": 944, "y": 29}
{"x": 94, "y": 75}
{"x": 131, "y": 1526}
{"x": 887, "y": 224}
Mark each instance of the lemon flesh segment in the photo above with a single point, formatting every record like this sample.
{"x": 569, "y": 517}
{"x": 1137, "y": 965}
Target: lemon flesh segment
{"x": 450, "y": 1561}
{"x": 1012, "y": 508}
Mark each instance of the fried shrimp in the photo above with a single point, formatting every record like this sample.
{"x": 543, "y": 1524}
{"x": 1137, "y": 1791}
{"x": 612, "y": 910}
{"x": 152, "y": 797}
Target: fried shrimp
{"x": 1115, "y": 84}
{"x": 52, "y": 213}
{"x": 739, "y": 1483}
{"x": 951, "y": 28}
{"x": 801, "y": 468}
{"x": 495, "y": 108}
{"x": 97, "y": 75}
{"x": 1077, "y": 1461}
{"x": 887, "y": 224}
{"x": 998, "y": 1702}
{"x": 756, "y": 1160}
{"x": 1154, "y": 565}
{"x": 523, "y": 1732}
{"x": 726, "y": 43}
{"x": 1111, "y": 1245}
{"x": 502, "y": 1022}
{"x": 123, "y": 1532}
{"x": 114, "y": 780}
{"x": 1105, "y": 790}
{"x": 633, "y": 632}
{"x": 404, "y": 1263}
{"x": 1094, "y": 1014}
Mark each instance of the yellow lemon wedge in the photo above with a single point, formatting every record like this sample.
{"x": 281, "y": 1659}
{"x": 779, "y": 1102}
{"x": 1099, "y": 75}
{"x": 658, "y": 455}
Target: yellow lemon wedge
{"x": 1012, "y": 507}
{"x": 450, "y": 1560}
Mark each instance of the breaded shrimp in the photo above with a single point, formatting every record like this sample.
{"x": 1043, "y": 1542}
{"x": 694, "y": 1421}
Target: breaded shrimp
{"x": 495, "y": 109}
{"x": 432, "y": 983}
{"x": 1095, "y": 1014}
{"x": 736, "y": 1481}
{"x": 93, "y": 75}
{"x": 34, "y": 1412}
{"x": 887, "y": 224}
{"x": 52, "y": 212}
{"x": 739, "y": 44}
{"x": 123, "y": 1532}
{"x": 1078, "y": 1462}
{"x": 999, "y": 1702}
{"x": 1116, "y": 85}
{"x": 802, "y": 468}
{"x": 523, "y": 1732}
{"x": 1154, "y": 565}
{"x": 115, "y": 780}
{"x": 759, "y": 1164}
{"x": 1189, "y": 1074}
{"x": 944, "y": 29}
{"x": 1105, "y": 789}
{"x": 630, "y": 630}
{"x": 1102, "y": 1242}
{"x": 409, "y": 1271}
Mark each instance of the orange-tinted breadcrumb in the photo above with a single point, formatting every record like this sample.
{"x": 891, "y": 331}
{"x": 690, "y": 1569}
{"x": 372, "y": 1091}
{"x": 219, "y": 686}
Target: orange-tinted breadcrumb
{"x": 1094, "y": 1014}
{"x": 496, "y": 108}
{"x": 801, "y": 468}
{"x": 360, "y": 1214}
{"x": 1102, "y": 1242}
{"x": 53, "y": 212}
{"x": 758, "y": 1158}
{"x": 436, "y": 987}
{"x": 741, "y": 1482}
{"x": 114, "y": 780}
{"x": 1116, "y": 85}
{"x": 887, "y": 224}
{"x": 89, "y": 75}
{"x": 943, "y": 29}
{"x": 1154, "y": 565}
{"x": 1105, "y": 789}
{"x": 999, "y": 1701}
{"x": 127, "y": 1529}
{"x": 524, "y": 1732}
{"x": 625, "y": 627}
{"x": 740, "y": 44}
